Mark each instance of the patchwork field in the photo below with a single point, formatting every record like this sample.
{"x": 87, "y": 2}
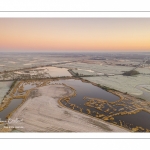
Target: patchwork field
{"x": 97, "y": 68}
{"x": 39, "y": 72}
{"x": 13, "y": 61}
{"x": 38, "y": 99}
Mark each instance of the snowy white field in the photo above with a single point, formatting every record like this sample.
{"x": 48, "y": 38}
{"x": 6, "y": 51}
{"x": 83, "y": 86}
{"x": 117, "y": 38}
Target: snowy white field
{"x": 147, "y": 87}
{"x": 15, "y": 61}
{"x": 144, "y": 70}
{"x": 97, "y": 68}
{"x": 55, "y": 72}
{"x": 122, "y": 83}
{"x": 128, "y": 62}
{"x": 83, "y": 72}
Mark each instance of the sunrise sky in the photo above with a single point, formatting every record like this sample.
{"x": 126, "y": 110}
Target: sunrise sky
{"x": 74, "y": 34}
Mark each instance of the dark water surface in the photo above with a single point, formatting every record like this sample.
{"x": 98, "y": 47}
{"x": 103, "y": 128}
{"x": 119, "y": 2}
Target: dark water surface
{"x": 12, "y": 106}
{"x": 140, "y": 119}
{"x": 87, "y": 89}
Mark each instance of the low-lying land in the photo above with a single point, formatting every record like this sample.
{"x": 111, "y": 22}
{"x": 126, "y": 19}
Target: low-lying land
{"x": 42, "y": 109}
{"x": 42, "y": 113}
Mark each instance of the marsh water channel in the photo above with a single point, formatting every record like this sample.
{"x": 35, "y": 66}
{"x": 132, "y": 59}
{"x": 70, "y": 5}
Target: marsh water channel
{"x": 84, "y": 89}
{"x": 141, "y": 119}
{"x": 12, "y": 106}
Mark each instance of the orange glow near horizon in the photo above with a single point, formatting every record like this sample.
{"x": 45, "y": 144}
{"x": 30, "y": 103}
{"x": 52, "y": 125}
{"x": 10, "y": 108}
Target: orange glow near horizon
{"x": 72, "y": 34}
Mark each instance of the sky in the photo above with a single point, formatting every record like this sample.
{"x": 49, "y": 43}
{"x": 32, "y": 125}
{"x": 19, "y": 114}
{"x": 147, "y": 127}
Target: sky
{"x": 74, "y": 34}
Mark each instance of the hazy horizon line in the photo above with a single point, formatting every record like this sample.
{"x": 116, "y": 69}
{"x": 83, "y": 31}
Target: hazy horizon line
{"x": 75, "y": 52}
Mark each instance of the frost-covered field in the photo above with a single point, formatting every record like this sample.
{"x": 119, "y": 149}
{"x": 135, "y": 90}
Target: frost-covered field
{"x": 40, "y": 72}
{"x": 122, "y": 83}
{"x": 97, "y": 68}
{"x": 128, "y": 62}
{"x": 4, "y": 87}
{"x": 13, "y": 61}
{"x": 84, "y": 72}
{"x": 19, "y": 64}
{"x": 147, "y": 87}
{"x": 144, "y": 70}
{"x": 55, "y": 72}
{"x": 82, "y": 68}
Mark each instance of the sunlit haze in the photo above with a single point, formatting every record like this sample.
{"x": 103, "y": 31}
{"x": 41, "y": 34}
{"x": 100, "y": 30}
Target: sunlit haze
{"x": 74, "y": 34}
